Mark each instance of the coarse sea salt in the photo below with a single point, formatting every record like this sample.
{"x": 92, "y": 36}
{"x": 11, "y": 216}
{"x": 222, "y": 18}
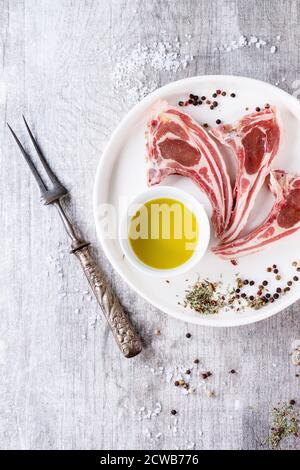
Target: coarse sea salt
{"x": 148, "y": 413}
{"x": 243, "y": 41}
{"x": 133, "y": 68}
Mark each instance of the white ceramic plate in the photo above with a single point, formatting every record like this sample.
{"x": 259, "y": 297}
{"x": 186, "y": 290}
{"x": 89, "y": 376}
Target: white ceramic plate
{"x": 121, "y": 174}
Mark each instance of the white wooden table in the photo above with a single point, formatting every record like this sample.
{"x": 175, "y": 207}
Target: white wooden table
{"x": 64, "y": 384}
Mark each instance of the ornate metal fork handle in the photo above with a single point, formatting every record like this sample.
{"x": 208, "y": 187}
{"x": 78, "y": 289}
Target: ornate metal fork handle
{"x": 124, "y": 333}
{"x": 125, "y": 336}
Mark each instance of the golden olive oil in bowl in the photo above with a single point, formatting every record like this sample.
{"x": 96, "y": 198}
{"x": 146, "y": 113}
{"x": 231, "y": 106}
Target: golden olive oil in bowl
{"x": 163, "y": 233}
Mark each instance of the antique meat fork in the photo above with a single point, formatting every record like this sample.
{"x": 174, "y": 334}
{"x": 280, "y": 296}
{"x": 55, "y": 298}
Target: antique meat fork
{"x": 125, "y": 336}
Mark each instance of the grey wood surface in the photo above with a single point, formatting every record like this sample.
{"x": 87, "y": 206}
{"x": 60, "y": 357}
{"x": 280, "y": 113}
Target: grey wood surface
{"x": 64, "y": 384}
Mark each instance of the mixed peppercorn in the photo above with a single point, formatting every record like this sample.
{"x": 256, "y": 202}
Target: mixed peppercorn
{"x": 212, "y": 103}
{"x": 197, "y": 100}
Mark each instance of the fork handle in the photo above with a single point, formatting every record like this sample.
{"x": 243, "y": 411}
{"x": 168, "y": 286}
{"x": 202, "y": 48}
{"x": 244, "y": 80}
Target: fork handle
{"x": 124, "y": 333}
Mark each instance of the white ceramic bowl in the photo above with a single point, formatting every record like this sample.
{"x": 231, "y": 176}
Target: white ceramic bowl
{"x": 191, "y": 203}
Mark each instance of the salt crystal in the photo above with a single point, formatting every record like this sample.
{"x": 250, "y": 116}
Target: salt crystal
{"x": 278, "y": 37}
{"x": 296, "y": 352}
{"x": 191, "y": 445}
{"x": 237, "y": 404}
{"x": 296, "y": 344}
{"x": 273, "y": 49}
{"x": 243, "y": 40}
{"x": 253, "y": 39}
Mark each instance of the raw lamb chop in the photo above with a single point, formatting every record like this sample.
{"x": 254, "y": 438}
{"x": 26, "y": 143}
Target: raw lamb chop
{"x": 254, "y": 141}
{"x": 283, "y": 220}
{"x": 176, "y": 144}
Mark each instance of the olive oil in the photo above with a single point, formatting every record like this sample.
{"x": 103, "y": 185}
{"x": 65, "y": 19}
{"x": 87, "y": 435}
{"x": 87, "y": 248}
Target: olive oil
{"x": 163, "y": 233}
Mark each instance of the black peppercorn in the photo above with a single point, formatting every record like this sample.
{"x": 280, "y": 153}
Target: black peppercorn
{"x": 218, "y": 121}
{"x": 257, "y": 109}
{"x": 251, "y": 283}
{"x": 181, "y": 103}
{"x": 265, "y": 283}
{"x": 173, "y": 412}
{"x": 223, "y": 93}
{"x": 296, "y": 278}
{"x": 232, "y": 95}
{"x": 203, "y": 98}
{"x": 188, "y": 335}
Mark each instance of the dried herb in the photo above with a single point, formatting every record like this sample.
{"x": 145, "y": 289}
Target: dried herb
{"x": 285, "y": 422}
{"x": 203, "y": 298}
{"x": 257, "y": 303}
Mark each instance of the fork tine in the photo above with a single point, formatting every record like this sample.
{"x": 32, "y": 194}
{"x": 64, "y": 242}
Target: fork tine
{"x": 48, "y": 170}
{"x": 31, "y": 165}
